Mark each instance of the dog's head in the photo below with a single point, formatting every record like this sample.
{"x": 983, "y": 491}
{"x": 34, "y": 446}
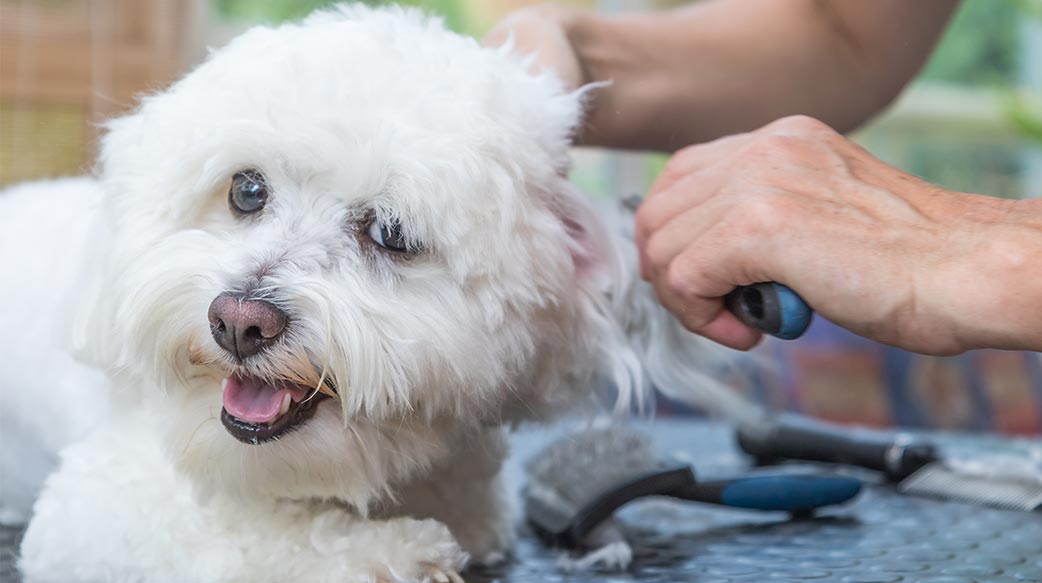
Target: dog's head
{"x": 337, "y": 239}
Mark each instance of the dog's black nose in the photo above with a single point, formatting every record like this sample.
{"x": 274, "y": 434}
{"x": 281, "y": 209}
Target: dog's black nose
{"x": 244, "y": 327}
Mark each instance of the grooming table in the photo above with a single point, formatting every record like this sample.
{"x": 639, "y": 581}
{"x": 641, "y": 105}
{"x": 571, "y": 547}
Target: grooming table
{"x": 882, "y": 537}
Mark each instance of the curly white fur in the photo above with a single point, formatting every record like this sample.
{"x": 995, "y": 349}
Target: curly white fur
{"x": 521, "y": 301}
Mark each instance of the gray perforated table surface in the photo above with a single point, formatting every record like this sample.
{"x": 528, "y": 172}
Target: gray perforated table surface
{"x": 882, "y": 537}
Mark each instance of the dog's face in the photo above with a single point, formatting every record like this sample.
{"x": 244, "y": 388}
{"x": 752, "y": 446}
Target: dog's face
{"x": 335, "y": 242}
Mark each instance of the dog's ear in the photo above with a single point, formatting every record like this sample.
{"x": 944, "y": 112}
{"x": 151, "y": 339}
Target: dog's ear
{"x": 641, "y": 344}
{"x": 95, "y": 334}
{"x": 561, "y": 117}
{"x": 589, "y": 242}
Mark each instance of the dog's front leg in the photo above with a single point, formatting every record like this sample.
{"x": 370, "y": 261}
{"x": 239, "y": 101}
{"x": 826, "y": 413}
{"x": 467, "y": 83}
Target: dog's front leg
{"x": 116, "y": 510}
{"x": 398, "y": 550}
{"x": 466, "y": 492}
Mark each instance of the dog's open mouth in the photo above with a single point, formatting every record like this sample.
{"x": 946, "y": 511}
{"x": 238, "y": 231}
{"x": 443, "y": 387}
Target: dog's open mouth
{"x": 256, "y": 411}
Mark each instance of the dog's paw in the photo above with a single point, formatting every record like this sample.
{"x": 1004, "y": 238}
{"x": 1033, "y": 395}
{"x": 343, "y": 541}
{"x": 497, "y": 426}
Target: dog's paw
{"x": 406, "y": 550}
{"x": 435, "y": 550}
{"x": 427, "y": 574}
{"x": 435, "y": 574}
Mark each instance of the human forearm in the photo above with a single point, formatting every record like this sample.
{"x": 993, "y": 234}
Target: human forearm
{"x": 993, "y": 296}
{"x": 724, "y": 66}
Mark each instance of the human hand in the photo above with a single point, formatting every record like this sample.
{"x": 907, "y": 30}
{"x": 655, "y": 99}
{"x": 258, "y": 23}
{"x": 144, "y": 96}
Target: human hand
{"x": 869, "y": 247}
{"x": 542, "y": 31}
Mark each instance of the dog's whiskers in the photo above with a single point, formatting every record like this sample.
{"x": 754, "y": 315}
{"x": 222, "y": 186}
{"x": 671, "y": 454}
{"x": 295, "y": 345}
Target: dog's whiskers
{"x": 191, "y": 437}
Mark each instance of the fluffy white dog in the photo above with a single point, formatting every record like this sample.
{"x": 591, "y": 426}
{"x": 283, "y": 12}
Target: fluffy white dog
{"x": 320, "y": 275}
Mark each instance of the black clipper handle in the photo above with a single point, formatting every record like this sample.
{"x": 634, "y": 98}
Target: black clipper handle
{"x": 795, "y": 437}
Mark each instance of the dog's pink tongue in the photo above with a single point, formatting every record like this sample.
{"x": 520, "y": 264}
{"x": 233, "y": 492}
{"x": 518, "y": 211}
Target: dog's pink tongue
{"x": 253, "y": 400}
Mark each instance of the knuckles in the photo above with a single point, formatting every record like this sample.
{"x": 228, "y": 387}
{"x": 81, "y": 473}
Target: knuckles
{"x": 759, "y": 198}
{"x": 798, "y": 124}
{"x": 656, "y": 251}
{"x": 792, "y": 138}
{"x": 679, "y": 164}
{"x": 775, "y": 146}
{"x": 645, "y": 220}
{"x": 763, "y": 213}
{"x": 680, "y": 279}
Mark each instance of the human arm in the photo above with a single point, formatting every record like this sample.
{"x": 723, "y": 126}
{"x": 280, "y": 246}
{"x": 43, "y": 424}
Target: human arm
{"x": 871, "y": 248}
{"x": 718, "y": 67}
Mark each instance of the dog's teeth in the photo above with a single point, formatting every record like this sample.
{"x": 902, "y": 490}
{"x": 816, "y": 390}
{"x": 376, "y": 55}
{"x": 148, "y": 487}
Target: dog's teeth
{"x": 285, "y": 404}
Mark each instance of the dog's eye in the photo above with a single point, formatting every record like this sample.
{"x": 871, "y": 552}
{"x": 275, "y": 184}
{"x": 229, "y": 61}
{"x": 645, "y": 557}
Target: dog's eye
{"x": 388, "y": 234}
{"x": 248, "y": 192}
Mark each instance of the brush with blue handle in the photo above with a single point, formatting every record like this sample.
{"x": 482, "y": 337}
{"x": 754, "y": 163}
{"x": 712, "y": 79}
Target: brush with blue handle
{"x": 772, "y": 308}
{"x": 579, "y": 481}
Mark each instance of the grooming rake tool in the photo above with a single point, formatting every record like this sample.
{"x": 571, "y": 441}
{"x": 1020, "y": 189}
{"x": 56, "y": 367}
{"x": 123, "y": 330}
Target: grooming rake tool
{"x": 915, "y": 465}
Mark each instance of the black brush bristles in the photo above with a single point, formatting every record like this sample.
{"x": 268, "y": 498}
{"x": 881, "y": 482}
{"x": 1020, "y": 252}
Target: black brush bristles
{"x": 580, "y": 480}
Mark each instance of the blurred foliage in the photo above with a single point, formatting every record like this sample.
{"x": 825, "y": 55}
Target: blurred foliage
{"x": 1030, "y": 8}
{"x": 981, "y": 45}
{"x": 1026, "y": 116}
{"x": 267, "y": 10}
{"x": 274, "y": 11}
{"x": 1023, "y": 112}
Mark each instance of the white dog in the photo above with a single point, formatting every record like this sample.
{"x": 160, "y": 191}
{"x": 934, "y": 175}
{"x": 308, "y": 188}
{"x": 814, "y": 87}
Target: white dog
{"x": 320, "y": 274}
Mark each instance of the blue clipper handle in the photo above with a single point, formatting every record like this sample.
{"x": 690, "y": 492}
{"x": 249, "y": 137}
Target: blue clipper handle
{"x": 772, "y": 308}
{"x": 788, "y": 493}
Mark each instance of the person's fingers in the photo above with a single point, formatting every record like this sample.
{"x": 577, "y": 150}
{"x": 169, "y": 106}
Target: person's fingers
{"x": 540, "y": 31}
{"x": 707, "y": 317}
{"x": 680, "y": 225}
{"x": 739, "y": 248}
{"x": 699, "y": 156}
{"x": 686, "y": 193}
{"x": 696, "y": 157}
{"x": 691, "y": 177}
{"x": 728, "y": 330}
